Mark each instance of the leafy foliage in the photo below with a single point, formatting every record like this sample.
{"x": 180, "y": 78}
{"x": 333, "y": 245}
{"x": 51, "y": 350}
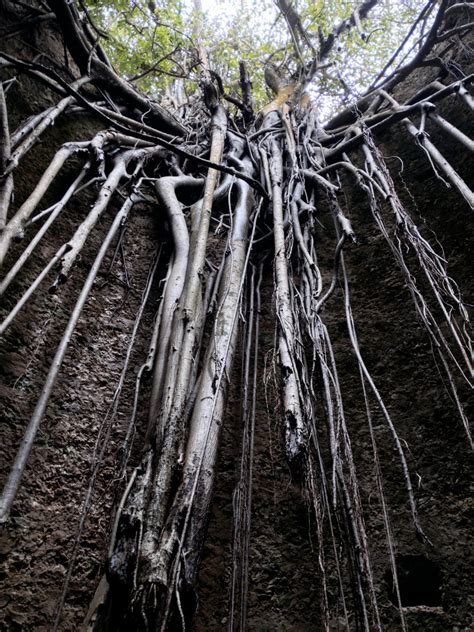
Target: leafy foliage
{"x": 144, "y": 39}
{"x": 154, "y": 42}
{"x": 361, "y": 54}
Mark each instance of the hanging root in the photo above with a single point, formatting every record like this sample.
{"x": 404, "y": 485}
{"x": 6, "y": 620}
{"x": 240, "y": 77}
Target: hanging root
{"x": 267, "y": 185}
{"x": 13, "y": 482}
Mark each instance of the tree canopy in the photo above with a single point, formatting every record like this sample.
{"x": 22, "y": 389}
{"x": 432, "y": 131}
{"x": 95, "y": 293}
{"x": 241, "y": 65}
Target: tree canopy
{"x": 153, "y": 43}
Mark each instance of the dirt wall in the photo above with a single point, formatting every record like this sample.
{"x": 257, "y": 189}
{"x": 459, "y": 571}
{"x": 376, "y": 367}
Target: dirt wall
{"x": 78, "y": 451}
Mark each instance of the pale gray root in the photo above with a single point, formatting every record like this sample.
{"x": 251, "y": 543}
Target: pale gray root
{"x": 383, "y": 408}
{"x": 6, "y": 180}
{"x": 294, "y": 419}
{"x": 434, "y": 268}
{"x": 297, "y": 226}
{"x": 466, "y": 96}
{"x": 184, "y": 541}
{"x": 242, "y": 498}
{"x": 345, "y": 485}
{"x": 58, "y": 207}
{"x": 169, "y": 432}
{"x": 183, "y": 333}
{"x": 454, "y": 131}
{"x": 40, "y": 125}
{"x": 383, "y": 501}
{"x": 6, "y": 192}
{"x": 166, "y": 432}
{"x": 14, "y": 228}
{"x": 32, "y": 289}
{"x": 166, "y": 192}
{"x": 161, "y": 519}
{"x": 13, "y": 481}
{"x": 103, "y": 436}
{"x": 421, "y": 306}
{"x": 110, "y": 185}
{"x": 436, "y": 157}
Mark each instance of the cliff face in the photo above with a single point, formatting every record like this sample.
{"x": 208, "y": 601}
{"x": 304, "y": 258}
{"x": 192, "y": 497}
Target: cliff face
{"x": 63, "y": 514}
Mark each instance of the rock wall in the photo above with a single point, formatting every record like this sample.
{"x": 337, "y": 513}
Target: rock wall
{"x": 62, "y": 516}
